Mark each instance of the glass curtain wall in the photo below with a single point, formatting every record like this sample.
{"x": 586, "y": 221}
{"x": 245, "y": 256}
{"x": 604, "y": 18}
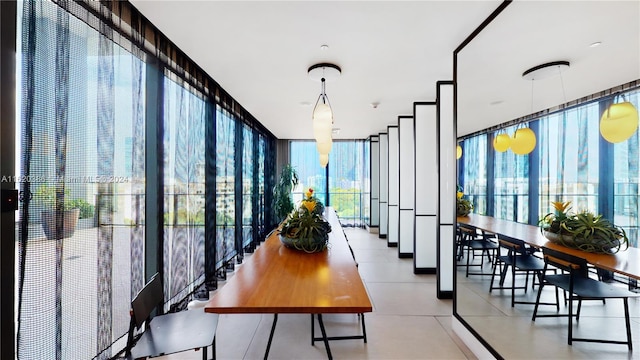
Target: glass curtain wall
{"x": 574, "y": 164}
{"x": 82, "y": 159}
{"x": 473, "y": 167}
{"x": 82, "y": 130}
{"x": 511, "y": 184}
{"x": 626, "y": 177}
{"x": 345, "y": 175}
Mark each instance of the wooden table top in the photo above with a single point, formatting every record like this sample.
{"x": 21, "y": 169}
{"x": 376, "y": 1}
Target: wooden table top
{"x": 276, "y": 279}
{"x": 625, "y": 262}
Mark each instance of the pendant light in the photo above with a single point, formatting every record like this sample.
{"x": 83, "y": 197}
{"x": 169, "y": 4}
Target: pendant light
{"x": 458, "y": 151}
{"x": 502, "y": 142}
{"x": 324, "y": 160}
{"x": 524, "y": 140}
{"x": 619, "y": 121}
{"x": 322, "y": 113}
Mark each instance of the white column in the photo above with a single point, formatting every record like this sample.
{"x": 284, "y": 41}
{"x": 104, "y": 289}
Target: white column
{"x": 384, "y": 187}
{"x": 394, "y": 191}
{"x": 447, "y": 189}
{"x": 407, "y": 185}
{"x": 426, "y": 183}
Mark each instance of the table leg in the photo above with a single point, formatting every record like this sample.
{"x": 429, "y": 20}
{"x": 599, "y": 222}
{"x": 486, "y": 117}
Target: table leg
{"x": 324, "y": 337}
{"x": 313, "y": 330}
{"x": 273, "y": 329}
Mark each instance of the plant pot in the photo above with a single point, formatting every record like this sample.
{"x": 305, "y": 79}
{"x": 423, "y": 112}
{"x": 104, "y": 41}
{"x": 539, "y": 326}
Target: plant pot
{"x": 70, "y": 220}
{"x": 306, "y": 245}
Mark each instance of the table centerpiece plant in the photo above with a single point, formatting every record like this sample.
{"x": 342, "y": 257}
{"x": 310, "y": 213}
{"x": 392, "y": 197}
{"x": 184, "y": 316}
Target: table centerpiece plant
{"x": 305, "y": 228}
{"x": 463, "y": 206}
{"x": 583, "y": 230}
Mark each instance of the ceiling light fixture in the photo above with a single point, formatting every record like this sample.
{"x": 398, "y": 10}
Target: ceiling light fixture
{"x": 619, "y": 121}
{"x": 322, "y": 113}
{"x": 524, "y": 139}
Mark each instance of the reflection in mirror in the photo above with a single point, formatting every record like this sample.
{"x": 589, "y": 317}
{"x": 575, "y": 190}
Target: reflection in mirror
{"x": 601, "y": 41}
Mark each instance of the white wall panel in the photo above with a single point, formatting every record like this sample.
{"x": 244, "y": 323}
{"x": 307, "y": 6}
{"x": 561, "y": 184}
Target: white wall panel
{"x": 375, "y": 182}
{"x": 394, "y": 191}
{"x": 407, "y": 185}
{"x": 384, "y": 188}
{"x": 425, "y": 256}
{"x": 426, "y": 187}
{"x": 447, "y": 183}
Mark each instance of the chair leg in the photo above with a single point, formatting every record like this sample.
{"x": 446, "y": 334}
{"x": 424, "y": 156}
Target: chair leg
{"x": 513, "y": 282}
{"x": 579, "y": 307}
{"x": 535, "y": 308}
{"x": 570, "y": 336}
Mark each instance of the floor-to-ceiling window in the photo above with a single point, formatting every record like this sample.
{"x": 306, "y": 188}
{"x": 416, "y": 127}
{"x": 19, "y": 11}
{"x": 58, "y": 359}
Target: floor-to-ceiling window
{"x": 573, "y": 163}
{"x": 81, "y": 145}
{"x": 104, "y": 125}
{"x": 345, "y": 175}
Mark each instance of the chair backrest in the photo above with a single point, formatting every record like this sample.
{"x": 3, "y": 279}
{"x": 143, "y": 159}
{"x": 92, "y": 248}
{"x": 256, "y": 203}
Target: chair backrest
{"x": 516, "y": 245}
{"x": 147, "y": 299}
{"x": 575, "y": 265}
{"x": 468, "y": 229}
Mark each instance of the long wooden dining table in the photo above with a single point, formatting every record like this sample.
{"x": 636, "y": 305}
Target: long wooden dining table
{"x": 277, "y": 280}
{"x": 625, "y": 262}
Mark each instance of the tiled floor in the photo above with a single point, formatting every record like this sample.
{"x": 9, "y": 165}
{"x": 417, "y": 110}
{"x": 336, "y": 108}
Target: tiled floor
{"x": 512, "y": 333}
{"x": 407, "y": 322}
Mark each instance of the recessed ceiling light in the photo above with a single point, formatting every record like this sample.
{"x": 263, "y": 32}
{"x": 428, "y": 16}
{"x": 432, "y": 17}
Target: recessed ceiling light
{"x": 324, "y": 47}
{"x": 497, "y": 102}
{"x": 305, "y": 103}
{"x": 374, "y": 105}
{"x": 335, "y": 131}
{"x": 595, "y": 44}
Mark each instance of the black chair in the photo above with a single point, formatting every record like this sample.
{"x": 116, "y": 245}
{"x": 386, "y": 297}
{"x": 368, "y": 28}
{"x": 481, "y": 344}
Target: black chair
{"x": 473, "y": 242}
{"x": 520, "y": 260}
{"x": 580, "y": 286}
{"x": 168, "y": 333}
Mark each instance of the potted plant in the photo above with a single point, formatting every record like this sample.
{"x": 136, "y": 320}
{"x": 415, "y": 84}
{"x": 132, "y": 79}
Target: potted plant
{"x": 305, "y": 228}
{"x": 45, "y": 196}
{"x": 282, "y": 201}
{"x": 463, "y": 206}
{"x": 584, "y": 230}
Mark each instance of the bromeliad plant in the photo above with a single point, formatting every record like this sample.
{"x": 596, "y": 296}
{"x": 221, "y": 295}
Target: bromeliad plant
{"x": 304, "y": 228}
{"x": 584, "y": 230}
{"x": 463, "y": 206}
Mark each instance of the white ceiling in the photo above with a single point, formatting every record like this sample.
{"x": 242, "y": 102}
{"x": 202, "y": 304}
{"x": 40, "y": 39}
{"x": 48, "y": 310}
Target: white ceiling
{"x": 491, "y": 89}
{"x": 393, "y": 52}
{"x": 390, "y": 52}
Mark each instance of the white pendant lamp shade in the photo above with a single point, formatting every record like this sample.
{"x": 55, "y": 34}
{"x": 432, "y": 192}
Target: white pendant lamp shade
{"x": 502, "y": 142}
{"x": 619, "y": 122}
{"x": 324, "y": 160}
{"x": 322, "y": 131}
{"x": 324, "y": 147}
{"x": 322, "y": 112}
{"x": 523, "y": 141}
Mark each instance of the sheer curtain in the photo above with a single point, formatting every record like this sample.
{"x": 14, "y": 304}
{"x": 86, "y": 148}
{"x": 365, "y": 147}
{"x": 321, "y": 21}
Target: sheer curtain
{"x": 474, "y": 165}
{"x": 82, "y": 147}
{"x": 569, "y": 158}
{"x": 626, "y": 179}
